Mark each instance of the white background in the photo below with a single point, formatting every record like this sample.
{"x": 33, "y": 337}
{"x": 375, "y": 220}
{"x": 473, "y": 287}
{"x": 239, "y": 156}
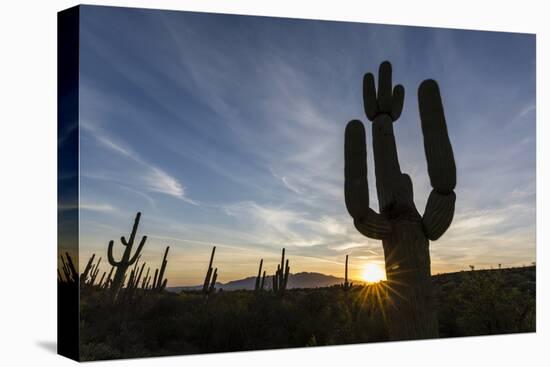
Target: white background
{"x": 28, "y": 182}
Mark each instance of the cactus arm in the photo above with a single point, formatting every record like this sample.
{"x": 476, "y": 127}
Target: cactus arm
{"x": 137, "y": 254}
{"x": 437, "y": 146}
{"x": 366, "y": 220}
{"x": 282, "y": 260}
{"x": 100, "y": 284}
{"x": 369, "y": 97}
{"x": 89, "y": 266}
{"x": 386, "y": 163}
{"x": 155, "y": 278}
{"x": 207, "y": 280}
{"x": 214, "y": 278}
{"x": 258, "y": 278}
{"x": 67, "y": 276}
{"x": 71, "y": 266}
{"x": 64, "y": 265}
{"x": 287, "y": 273}
{"x": 131, "y": 279}
{"x": 134, "y": 228}
{"x": 384, "y": 87}
{"x": 139, "y": 276}
{"x": 438, "y": 214}
{"x": 163, "y": 265}
{"x": 397, "y": 102}
{"x": 374, "y": 226}
{"x": 145, "y": 279}
{"x": 356, "y": 184}
{"x": 212, "y": 256}
{"x": 441, "y": 164}
{"x": 276, "y": 279}
{"x": 110, "y": 257}
{"x": 346, "y": 284}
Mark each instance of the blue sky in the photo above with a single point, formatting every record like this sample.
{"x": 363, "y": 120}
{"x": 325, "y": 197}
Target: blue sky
{"x": 228, "y": 130}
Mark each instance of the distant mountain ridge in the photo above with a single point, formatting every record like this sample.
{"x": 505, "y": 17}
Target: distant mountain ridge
{"x": 298, "y": 280}
{"x": 319, "y": 280}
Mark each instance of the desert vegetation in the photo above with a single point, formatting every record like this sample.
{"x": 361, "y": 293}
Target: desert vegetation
{"x": 140, "y": 317}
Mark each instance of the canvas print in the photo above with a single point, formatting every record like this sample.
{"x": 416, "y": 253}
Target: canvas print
{"x": 236, "y": 183}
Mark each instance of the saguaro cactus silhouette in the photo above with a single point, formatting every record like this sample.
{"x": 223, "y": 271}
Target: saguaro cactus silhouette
{"x": 258, "y": 286}
{"x": 280, "y": 279}
{"x": 159, "y": 282}
{"x": 346, "y": 285}
{"x": 211, "y": 276}
{"x": 127, "y": 259}
{"x": 405, "y": 234}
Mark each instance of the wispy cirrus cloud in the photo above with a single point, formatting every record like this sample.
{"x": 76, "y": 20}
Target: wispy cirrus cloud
{"x": 146, "y": 177}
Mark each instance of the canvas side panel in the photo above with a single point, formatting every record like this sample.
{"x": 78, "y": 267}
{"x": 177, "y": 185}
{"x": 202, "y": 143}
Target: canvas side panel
{"x": 67, "y": 179}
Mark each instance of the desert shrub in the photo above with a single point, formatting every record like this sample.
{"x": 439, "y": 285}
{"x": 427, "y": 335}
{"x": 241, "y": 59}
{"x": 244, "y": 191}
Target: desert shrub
{"x": 488, "y": 302}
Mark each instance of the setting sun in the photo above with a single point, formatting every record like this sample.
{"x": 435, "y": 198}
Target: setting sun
{"x": 373, "y": 273}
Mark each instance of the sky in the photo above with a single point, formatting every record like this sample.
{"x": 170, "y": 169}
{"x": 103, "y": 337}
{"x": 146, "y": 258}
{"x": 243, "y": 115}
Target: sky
{"x": 229, "y": 130}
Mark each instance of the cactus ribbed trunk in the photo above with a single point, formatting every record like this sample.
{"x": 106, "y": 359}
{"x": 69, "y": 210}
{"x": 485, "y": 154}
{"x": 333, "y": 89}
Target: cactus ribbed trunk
{"x": 411, "y": 311}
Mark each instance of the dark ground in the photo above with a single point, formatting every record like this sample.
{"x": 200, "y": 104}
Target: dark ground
{"x": 483, "y": 302}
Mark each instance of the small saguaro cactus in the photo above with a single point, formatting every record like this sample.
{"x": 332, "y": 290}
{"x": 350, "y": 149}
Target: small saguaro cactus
{"x": 211, "y": 276}
{"x": 405, "y": 234}
{"x": 127, "y": 259}
{"x": 159, "y": 283}
{"x": 346, "y": 285}
{"x": 87, "y": 270}
{"x": 280, "y": 279}
{"x": 259, "y": 284}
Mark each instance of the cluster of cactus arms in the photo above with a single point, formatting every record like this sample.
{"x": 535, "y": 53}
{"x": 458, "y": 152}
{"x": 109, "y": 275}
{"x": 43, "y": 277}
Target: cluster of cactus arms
{"x": 84, "y": 275}
{"x": 68, "y": 273}
{"x": 89, "y": 275}
{"x": 87, "y": 279}
{"x": 280, "y": 279}
{"x": 260, "y": 279}
{"x": 209, "y": 285}
{"x": 346, "y": 285}
{"x": 159, "y": 282}
{"x": 146, "y": 279}
{"x": 405, "y": 234}
{"x": 107, "y": 283}
{"x": 127, "y": 259}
